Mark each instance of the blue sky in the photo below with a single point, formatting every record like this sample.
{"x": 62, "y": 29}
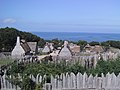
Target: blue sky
{"x": 101, "y": 16}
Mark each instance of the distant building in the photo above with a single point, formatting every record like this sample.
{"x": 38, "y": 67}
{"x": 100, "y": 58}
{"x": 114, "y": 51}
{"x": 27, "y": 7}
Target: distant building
{"x": 74, "y": 48}
{"x": 87, "y": 48}
{"x": 95, "y": 49}
{"x": 48, "y": 48}
{"x": 98, "y": 49}
{"x": 65, "y": 51}
{"x": 69, "y": 49}
{"x": 23, "y": 48}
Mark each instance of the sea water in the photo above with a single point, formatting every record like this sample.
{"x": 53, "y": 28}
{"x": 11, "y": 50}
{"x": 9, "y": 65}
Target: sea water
{"x": 76, "y": 36}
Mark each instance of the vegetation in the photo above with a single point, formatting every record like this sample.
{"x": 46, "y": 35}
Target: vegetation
{"x": 25, "y": 84}
{"x": 115, "y": 44}
{"x": 107, "y": 66}
{"x": 47, "y": 69}
{"x": 82, "y": 44}
{"x": 44, "y": 68}
{"x": 5, "y": 61}
{"x": 93, "y": 43}
{"x": 51, "y": 68}
{"x": 8, "y": 38}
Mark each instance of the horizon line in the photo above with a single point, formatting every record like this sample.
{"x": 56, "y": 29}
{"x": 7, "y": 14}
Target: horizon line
{"x": 73, "y": 32}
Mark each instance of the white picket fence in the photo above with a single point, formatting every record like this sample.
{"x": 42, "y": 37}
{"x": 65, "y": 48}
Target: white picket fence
{"x": 72, "y": 82}
{"x": 80, "y": 82}
{"x": 6, "y": 85}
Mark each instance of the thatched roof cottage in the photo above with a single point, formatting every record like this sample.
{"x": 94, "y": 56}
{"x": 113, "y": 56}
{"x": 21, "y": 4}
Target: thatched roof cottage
{"x": 48, "y": 48}
{"x": 65, "y": 51}
{"x": 23, "y": 48}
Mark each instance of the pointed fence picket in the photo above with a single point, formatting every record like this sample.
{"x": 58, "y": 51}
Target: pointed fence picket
{"x": 70, "y": 81}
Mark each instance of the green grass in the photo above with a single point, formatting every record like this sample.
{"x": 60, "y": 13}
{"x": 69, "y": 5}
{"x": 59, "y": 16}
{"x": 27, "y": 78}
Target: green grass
{"x": 5, "y": 61}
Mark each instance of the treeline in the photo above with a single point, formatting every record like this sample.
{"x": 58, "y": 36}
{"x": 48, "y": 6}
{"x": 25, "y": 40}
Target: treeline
{"x": 83, "y": 43}
{"x": 8, "y": 38}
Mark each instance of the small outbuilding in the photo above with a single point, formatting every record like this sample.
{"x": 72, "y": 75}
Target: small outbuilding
{"x": 65, "y": 51}
{"x": 48, "y": 48}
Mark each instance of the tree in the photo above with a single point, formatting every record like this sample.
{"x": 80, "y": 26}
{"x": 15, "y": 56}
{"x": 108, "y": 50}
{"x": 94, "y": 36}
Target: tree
{"x": 8, "y": 38}
{"x": 93, "y": 43}
{"x": 82, "y": 43}
{"x": 106, "y": 45}
{"x": 57, "y": 43}
{"x": 27, "y": 84}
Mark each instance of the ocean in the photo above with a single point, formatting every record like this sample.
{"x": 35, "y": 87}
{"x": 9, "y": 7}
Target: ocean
{"x": 76, "y": 36}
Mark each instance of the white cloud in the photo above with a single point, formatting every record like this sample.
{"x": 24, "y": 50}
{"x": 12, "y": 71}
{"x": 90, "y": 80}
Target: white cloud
{"x": 9, "y": 20}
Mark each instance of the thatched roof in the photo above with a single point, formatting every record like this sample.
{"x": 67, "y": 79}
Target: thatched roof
{"x": 48, "y": 48}
{"x": 32, "y": 45}
{"x": 75, "y": 49}
{"x": 25, "y": 46}
{"x": 88, "y": 46}
{"x": 65, "y": 51}
{"x": 97, "y": 48}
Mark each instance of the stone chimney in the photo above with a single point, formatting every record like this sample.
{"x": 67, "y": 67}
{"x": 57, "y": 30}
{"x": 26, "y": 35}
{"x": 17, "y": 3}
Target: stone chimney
{"x": 65, "y": 43}
{"x": 18, "y": 40}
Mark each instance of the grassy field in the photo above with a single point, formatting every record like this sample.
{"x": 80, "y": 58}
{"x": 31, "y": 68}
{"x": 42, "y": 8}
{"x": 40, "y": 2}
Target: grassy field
{"x": 5, "y": 61}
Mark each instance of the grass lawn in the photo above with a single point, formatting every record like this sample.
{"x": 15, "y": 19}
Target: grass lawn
{"x": 5, "y": 61}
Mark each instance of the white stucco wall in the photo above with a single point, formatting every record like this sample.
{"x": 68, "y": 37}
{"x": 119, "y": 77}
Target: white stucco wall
{"x": 46, "y": 49}
{"x": 65, "y": 52}
{"x": 18, "y": 51}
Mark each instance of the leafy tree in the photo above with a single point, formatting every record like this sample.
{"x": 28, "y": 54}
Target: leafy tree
{"x": 8, "y": 38}
{"x": 57, "y": 43}
{"x": 106, "y": 45}
{"x": 82, "y": 43}
{"x": 28, "y": 84}
{"x": 115, "y": 44}
{"x": 93, "y": 43}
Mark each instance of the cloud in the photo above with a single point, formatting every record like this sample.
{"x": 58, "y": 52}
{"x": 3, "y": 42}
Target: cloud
{"x": 9, "y": 20}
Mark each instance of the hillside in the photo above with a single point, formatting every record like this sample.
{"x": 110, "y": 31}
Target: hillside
{"x": 8, "y": 38}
